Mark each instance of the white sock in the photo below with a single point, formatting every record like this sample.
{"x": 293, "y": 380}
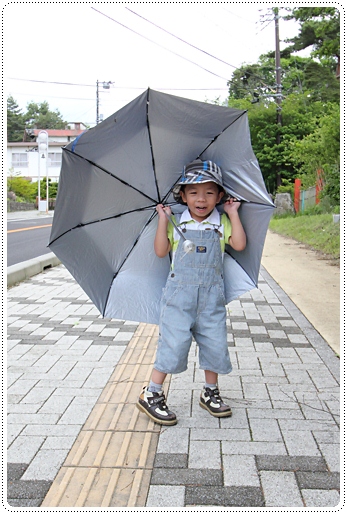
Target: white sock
{"x": 154, "y": 388}
{"x": 211, "y": 386}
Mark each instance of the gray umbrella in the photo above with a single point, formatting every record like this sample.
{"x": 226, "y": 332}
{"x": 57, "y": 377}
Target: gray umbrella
{"x": 115, "y": 174}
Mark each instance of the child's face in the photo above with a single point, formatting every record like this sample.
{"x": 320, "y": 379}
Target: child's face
{"x": 201, "y": 199}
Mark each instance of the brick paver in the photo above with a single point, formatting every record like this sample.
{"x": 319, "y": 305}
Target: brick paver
{"x": 57, "y": 369}
{"x": 76, "y": 438}
{"x": 111, "y": 461}
{"x": 273, "y": 446}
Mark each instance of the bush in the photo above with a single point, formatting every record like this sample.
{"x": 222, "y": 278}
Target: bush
{"x": 287, "y": 186}
{"x": 332, "y": 184}
{"x": 24, "y": 190}
{"x": 52, "y": 188}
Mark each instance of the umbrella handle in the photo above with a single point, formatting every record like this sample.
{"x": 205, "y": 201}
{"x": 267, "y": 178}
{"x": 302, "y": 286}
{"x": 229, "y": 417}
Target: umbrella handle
{"x": 188, "y": 246}
{"x": 176, "y": 227}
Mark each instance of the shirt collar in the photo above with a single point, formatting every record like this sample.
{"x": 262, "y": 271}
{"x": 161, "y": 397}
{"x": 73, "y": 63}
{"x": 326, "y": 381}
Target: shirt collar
{"x": 213, "y": 219}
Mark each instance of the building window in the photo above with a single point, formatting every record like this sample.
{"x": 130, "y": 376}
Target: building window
{"x": 54, "y": 159}
{"x": 19, "y": 160}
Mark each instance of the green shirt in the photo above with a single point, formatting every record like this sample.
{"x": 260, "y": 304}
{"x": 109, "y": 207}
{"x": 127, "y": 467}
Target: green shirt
{"x": 215, "y": 220}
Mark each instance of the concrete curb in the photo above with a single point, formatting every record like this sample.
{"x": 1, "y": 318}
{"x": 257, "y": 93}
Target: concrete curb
{"x": 24, "y": 270}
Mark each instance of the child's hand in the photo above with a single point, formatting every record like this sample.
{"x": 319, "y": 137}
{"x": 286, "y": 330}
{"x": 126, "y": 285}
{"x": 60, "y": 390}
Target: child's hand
{"x": 161, "y": 211}
{"x": 231, "y": 206}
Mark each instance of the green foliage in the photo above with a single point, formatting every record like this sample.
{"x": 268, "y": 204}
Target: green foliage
{"x": 39, "y": 116}
{"x": 300, "y": 118}
{"x": 320, "y": 82}
{"x": 287, "y": 186}
{"x": 52, "y": 188}
{"x": 320, "y": 149}
{"x": 323, "y": 207}
{"x": 22, "y": 188}
{"x": 319, "y": 27}
{"x": 28, "y": 191}
{"x": 332, "y": 185}
{"x": 36, "y": 116}
{"x": 277, "y": 144}
{"x": 15, "y": 121}
{"x": 12, "y": 173}
{"x": 318, "y": 231}
{"x": 299, "y": 74}
{"x": 306, "y": 135}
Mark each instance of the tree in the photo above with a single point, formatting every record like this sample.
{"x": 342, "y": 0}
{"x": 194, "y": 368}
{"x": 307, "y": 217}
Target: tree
{"x": 308, "y": 136}
{"x": 321, "y": 150}
{"x": 36, "y": 116}
{"x": 320, "y": 81}
{"x": 319, "y": 28}
{"x": 39, "y": 116}
{"x": 299, "y": 74}
{"x": 300, "y": 118}
{"x": 15, "y": 121}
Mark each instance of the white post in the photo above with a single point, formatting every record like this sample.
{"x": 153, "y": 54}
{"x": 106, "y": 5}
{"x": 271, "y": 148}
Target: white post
{"x": 47, "y": 198}
{"x": 39, "y": 181}
{"x": 42, "y": 140}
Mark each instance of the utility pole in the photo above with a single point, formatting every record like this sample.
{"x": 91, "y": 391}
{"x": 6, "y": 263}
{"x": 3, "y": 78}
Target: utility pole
{"x": 97, "y": 102}
{"x": 278, "y": 89}
{"x": 105, "y": 85}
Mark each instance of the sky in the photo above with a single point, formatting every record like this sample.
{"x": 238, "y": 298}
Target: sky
{"x": 66, "y": 48}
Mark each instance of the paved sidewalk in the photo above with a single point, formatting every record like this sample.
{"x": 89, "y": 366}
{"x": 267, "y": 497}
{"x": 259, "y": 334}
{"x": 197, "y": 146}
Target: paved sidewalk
{"x": 28, "y": 215}
{"x": 76, "y": 438}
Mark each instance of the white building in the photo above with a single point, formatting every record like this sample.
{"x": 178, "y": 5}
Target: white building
{"x": 23, "y": 157}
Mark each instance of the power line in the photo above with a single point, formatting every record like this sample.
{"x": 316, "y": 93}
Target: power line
{"x": 53, "y": 82}
{"x": 161, "y": 46}
{"x": 196, "y": 48}
{"x": 53, "y": 96}
{"x": 125, "y": 87}
{"x": 180, "y": 39}
{"x": 173, "y": 35}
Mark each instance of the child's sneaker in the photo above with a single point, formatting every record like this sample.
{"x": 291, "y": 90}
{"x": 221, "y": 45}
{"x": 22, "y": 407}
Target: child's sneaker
{"x": 211, "y": 401}
{"x": 154, "y": 405}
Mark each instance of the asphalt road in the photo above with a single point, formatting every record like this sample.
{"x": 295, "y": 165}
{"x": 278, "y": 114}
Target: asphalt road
{"x": 27, "y": 238}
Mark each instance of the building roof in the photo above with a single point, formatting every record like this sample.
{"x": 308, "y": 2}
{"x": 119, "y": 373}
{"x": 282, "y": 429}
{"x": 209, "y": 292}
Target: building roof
{"x": 64, "y": 135}
{"x": 59, "y": 132}
{"x": 33, "y": 144}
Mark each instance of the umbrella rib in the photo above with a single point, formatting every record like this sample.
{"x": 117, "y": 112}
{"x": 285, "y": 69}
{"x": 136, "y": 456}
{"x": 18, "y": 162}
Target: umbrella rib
{"x": 81, "y": 225}
{"x": 216, "y": 137}
{"x": 150, "y": 144}
{"x": 125, "y": 259}
{"x": 111, "y": 174}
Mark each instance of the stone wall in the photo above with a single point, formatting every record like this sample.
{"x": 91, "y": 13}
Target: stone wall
{"x": 20, "y": 206}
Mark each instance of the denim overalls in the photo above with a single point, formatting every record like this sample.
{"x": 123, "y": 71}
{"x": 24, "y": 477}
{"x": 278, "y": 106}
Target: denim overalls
{"x": 193, "y": 304}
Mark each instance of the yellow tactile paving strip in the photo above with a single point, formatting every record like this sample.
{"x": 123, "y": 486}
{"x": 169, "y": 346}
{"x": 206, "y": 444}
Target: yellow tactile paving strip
{"x": 111, "y": 461}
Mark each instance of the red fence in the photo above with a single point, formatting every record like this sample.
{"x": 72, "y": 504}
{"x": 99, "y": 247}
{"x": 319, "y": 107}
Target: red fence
{"x": 309, "y": 197}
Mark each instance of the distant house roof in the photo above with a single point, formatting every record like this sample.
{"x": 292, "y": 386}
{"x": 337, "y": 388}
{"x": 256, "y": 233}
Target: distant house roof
{"x": 33, "y": 144}
{"x": 59, "y": 132}
{"x": 67, "y": 134}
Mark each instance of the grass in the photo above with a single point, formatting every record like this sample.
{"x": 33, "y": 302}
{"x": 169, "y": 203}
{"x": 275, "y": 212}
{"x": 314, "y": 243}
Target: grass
{"x": 317, "y": 231}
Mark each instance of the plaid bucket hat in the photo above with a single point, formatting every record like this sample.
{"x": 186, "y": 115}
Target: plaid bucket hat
{"x": 198, "y": 172}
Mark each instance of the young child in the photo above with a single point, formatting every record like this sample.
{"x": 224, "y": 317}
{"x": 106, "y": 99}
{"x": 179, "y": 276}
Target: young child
{"x": 193, "y": 302}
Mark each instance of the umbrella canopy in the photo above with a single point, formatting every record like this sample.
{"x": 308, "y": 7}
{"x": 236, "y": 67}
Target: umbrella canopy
{"x": 115, "y": 174}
